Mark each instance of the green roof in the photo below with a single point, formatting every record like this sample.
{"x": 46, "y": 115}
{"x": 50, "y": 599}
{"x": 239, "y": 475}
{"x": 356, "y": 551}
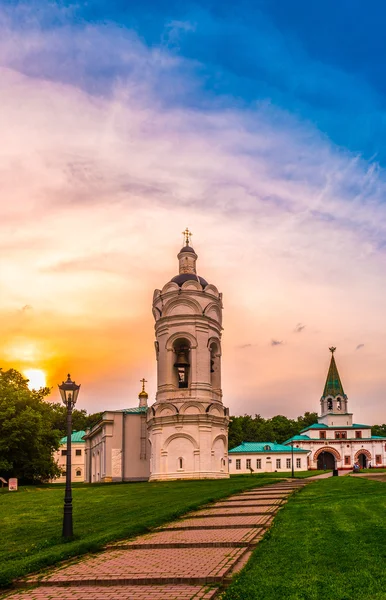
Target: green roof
{"x": 136, "y": 410}
{"x": 323, "y": 426}
{"x": 76, "y": 436}
{"x": 298, "y": 438}
{"x": 254, "y": 447}
{"x": 333, "y": 386}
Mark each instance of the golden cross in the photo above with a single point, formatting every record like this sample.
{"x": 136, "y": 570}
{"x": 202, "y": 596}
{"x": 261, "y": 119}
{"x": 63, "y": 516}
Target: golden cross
{"x": 332, "y": 349}
{"x": 143, "y": 381}
{"x": 187, "y": 235}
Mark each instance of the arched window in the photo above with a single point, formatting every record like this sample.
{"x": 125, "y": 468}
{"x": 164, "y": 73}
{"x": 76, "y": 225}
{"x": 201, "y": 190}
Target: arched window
{"x": 267, "y": 447}
{"x": 180, "y": 463}
{"x": 182, "y": 364}
{"x": 329, "y": 404}
{"x": 338, "y": 404}
{"x": 79, "y": 473}
{"x": 214, "y": 351}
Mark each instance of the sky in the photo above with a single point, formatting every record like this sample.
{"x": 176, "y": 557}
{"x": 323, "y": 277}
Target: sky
{"x": 260, "y": 125}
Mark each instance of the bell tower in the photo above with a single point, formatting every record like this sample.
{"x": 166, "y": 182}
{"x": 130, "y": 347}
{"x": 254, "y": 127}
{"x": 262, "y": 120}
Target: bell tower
{"x": 188, "y": 424}
{"x": 334, "y": 402}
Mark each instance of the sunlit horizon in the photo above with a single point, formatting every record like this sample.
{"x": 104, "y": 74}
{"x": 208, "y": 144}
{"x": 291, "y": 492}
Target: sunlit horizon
{"x": 133, "y": 131}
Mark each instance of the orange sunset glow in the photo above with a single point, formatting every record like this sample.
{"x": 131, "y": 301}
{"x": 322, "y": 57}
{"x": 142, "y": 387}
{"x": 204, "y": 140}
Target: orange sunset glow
{"x": 99, "y": 179}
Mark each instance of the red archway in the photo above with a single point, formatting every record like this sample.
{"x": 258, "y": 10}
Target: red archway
{"x": 362, "y": 457}
{"x": 326, "y": 458}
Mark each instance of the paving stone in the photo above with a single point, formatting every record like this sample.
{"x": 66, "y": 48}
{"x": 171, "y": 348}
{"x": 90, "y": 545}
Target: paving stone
{"x": 232, "y": 511}
{"x": 135, "y": 592}
{"x": 214, "y": 522}
{"x": 150, "y": 565}
{"x": 196, "y": 536}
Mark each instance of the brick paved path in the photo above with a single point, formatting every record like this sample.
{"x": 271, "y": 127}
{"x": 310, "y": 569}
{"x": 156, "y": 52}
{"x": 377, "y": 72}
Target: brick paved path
{"x": 172, "y": 562}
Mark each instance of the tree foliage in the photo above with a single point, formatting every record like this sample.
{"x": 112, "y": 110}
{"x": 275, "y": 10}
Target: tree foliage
{"x": 80, "y": 419}
{"x": 28, "y": 436}
{"x": 257, "y": 429}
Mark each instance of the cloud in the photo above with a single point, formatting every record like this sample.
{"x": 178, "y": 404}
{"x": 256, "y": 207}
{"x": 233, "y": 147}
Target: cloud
{"x": 359, "y": 346}
{"x": 299, "y": 328}
{"x": 107, "y": 163}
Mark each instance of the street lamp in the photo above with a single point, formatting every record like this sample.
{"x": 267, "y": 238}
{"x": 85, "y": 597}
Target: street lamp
{"x": 69, "y": 392}
{"x": 292, "y": 459}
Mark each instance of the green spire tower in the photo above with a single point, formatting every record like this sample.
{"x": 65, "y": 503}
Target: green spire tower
{"x": 333, "y": 400}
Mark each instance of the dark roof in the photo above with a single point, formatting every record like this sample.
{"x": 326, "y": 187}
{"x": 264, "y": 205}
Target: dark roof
{"x": 187, "y": 249}
{"x": 182, "y": 277}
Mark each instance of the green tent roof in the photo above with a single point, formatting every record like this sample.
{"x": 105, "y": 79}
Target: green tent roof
{"x": 265, "y": 447}
{"x": 75, "y": 437}
{"x": 333, "y": 385}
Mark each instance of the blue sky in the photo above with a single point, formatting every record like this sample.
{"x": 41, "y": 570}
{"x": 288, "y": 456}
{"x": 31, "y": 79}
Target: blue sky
{"x": 260, "y": 125}
{"x": 322, "y": 62}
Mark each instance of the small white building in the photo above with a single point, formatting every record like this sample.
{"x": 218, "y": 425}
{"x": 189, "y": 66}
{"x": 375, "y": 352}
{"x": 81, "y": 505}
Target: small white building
{"x": 265, "y": 457}
{"x": 335, "y": 442}
{"x": 117, "y": 447}
{"x": 77, "y": 458}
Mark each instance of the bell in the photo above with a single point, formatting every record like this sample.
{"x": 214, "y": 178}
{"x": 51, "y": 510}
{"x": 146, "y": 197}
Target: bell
{"x": 182, "y": 360}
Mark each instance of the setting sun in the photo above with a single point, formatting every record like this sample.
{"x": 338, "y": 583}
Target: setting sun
{"x": 36, "y": 377}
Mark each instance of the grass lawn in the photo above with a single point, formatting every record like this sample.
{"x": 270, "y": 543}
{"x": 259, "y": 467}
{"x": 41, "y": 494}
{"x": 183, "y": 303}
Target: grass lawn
{"x": 328, "y": 543}
{"x": 31, "y": 519}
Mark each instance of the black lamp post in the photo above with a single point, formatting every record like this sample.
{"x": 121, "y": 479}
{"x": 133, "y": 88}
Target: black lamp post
{"x": 69, "y": 392}
{"x": 292, "y": 459}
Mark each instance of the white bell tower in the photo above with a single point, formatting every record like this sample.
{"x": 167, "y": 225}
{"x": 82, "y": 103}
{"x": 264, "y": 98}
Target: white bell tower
{"x": 188, "y": 424}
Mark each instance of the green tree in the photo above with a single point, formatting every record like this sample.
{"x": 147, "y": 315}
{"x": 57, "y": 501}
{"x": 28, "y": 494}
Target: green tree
{"x": 27, "y": 436}
{"x": 80, "y": 419}
{"x": 379, "y": 430}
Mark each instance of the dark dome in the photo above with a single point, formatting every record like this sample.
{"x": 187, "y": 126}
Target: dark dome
{"x": 187, "y": 249}
{"x": 182, "y": 277}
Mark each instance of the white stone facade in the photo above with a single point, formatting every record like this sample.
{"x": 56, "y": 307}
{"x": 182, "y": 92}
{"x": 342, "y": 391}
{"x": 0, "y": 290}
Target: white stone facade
{"x": 250, "y": 455}
{"x": 188, "y": 424}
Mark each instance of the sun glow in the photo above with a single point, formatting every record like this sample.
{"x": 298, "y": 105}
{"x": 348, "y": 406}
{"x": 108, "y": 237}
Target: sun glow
{"x": 36, "y": 377}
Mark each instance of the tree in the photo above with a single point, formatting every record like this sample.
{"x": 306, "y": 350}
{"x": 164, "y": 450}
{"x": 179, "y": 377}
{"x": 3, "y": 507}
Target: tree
{"x": 28, "y": 437}
{"x": 80, "y": 419}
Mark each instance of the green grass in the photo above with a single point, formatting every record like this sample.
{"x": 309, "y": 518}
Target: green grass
{"x": 327, "y": 543}
{"x": 31, "y": 519}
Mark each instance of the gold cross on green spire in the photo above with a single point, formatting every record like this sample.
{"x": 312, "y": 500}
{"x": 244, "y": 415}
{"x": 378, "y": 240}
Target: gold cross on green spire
{"x": 187, "y": 235}
{"x": 143, "y": 381}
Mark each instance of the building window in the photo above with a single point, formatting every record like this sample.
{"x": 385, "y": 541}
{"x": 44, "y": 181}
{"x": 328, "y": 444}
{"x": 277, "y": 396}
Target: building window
{"x": 298, "y": 463}
{"x": 64, "y": 452}
{"x": 378, "y": 459}
{"x": 79, "y": 473}
{"x": 248, "y": 463}
{"x": 329, "y": 404}
{"x": 267, "y": 447}
{"x": 238, "y": 464}
{"x": 278, "y": 463}
{"x": 288, "y": 463}
{"x": 344, "y": 435}
{"x": 358, "y": 434}
{"x": 78, "y": 452}
{"x": 339, "y": 404}
{"x": 322, "y": 435}
{"x": 64, "y": 473}
{"x": 258, "y": 463}
{"x": 347, "y": 460}
{"x": 180, "y": 463}
{"x": 340, "y": 435}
